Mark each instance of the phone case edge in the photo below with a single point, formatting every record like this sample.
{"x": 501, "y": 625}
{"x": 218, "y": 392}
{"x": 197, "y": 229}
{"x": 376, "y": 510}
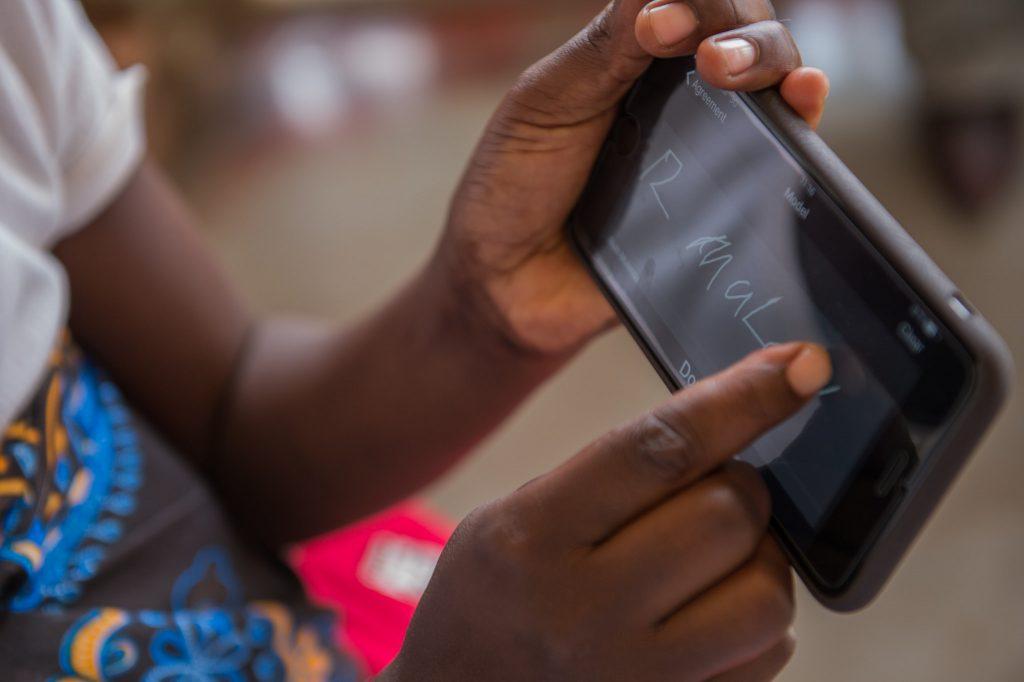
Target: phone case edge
{"x": 993, "y": 361}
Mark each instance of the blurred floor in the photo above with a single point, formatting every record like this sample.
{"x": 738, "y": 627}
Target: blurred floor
{"x": 334, "y": 225}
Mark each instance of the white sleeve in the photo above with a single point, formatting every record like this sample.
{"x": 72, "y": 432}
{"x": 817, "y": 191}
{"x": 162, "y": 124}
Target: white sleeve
{"x": 97, "y": 115}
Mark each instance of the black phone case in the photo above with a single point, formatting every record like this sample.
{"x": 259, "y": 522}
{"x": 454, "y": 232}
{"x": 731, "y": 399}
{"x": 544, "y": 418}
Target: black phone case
{"x": 992, "y": 361}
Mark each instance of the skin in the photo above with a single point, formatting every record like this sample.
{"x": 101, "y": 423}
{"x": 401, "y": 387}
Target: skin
{"x": 302, "y": 426}
{"x": 670, "y": 576}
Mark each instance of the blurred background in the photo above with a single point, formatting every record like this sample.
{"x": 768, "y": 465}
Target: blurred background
{"x": 319, "y": 140}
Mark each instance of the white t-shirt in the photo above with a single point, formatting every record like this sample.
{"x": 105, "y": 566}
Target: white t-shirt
{"x": 71, "y": 135}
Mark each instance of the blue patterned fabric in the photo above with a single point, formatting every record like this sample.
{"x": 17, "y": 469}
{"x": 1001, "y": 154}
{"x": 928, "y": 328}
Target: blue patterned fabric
{"x": 119, "y": 565}
{"x": 231, "y": 642}
{"x": 76, "y": 476}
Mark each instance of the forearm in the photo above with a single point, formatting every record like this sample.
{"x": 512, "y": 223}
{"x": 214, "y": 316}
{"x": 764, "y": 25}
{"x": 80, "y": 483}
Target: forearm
{"x": 302, "y": 426}
{"x": 327, "y": 426}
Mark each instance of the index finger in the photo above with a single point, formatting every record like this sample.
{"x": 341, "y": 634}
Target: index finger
{"x": 633, "y": 469}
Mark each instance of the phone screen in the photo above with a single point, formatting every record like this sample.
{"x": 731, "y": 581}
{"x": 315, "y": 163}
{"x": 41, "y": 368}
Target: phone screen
{"x": 714, "y": 242}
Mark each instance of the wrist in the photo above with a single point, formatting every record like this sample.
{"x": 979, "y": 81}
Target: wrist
{"x": 465, "y": 303}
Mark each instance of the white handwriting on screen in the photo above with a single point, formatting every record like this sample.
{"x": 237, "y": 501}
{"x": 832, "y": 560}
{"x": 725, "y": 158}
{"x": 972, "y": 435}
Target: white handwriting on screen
{"x": 715, "y": 256}
{"x": 672, "y": 168}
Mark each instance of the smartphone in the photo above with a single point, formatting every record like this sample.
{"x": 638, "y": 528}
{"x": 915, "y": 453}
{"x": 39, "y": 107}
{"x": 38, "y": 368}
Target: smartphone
{"x": 718, "y": 223}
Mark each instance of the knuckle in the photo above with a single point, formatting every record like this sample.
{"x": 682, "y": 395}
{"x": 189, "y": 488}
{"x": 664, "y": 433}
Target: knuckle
{"x": 772, "y": 603}
{"x": 723, "y": 15}
{"x": 535, "y": 92}
{"x": 730, "y": 519}
{"x": 667, "y": 446}
{"x": 787, "y": 648}
{"x": 579, "y": 82}
{"x": 567, "y": 644}
{"x": 742, "y": 498}
{"x": 777, "y": 53}
{"x": 605, "y": 45}
{"x": 742, "y": 12}
{"x": 528, "y": 119}
{"x": 751, "y": 11}
{"x": 498, "y": 538}
{"x": 778, "y": 47}
{"x": 597, "y": 36}
{"x": 470, "y": 532}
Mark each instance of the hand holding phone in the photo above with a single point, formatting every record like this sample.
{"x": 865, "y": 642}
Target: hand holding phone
{"x": 505, "y": 244}
{"x": 645, "y": 557}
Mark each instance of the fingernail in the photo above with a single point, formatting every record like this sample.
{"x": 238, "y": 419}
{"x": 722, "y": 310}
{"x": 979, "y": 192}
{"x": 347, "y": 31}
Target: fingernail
{"x": 810, "y": 371}
{"x": 672, "y": 23}
{"x": 740, "y": 54}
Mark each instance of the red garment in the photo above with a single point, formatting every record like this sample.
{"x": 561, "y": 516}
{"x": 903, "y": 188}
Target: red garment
{"x": 374, "y": 573}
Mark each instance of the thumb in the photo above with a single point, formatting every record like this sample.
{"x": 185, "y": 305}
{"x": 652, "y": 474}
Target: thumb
{"x": 586, "y": 77}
